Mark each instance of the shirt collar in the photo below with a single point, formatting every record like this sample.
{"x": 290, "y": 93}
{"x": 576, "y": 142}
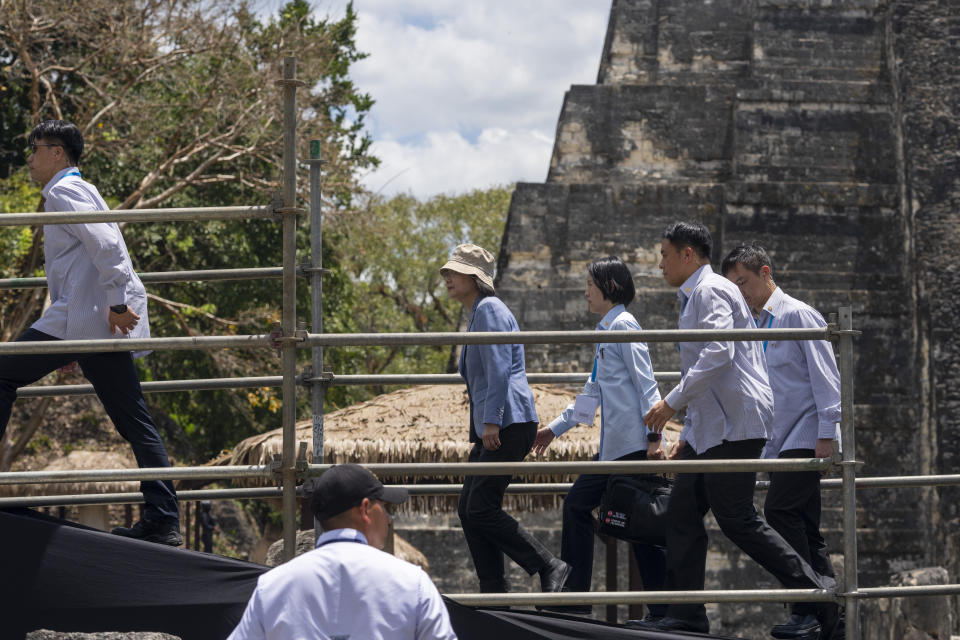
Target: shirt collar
{"x": 56, "y": 178}
{"x": 773, "y": 304}
{"x": 341, "y": 534}
{"x": 690, "y": 285}
{"x": 610, "y": 317}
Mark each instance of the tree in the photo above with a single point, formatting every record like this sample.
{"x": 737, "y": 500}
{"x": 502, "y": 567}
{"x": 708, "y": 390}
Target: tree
{"x": 179, "y": 107}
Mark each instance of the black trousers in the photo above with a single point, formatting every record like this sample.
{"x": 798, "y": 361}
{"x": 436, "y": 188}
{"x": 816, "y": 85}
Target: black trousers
{"x": 730, "y": 497}
{"x": 490, "y": 532}
{"x": 792, "y": 508}
{"x": 117, "y": 385}
{"x": 576, "y": 547}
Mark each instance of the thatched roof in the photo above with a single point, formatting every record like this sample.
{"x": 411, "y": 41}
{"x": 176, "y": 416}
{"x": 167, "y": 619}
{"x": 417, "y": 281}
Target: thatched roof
{"x": 428, "y": 423}
{"x": 81, "y": 460}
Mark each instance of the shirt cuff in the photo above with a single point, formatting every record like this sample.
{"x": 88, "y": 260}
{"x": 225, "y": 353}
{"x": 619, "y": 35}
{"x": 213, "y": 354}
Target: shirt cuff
{"x": 116, "y": 296}
{"x": 559, "y": 426}
{"x": 674, "y": 399}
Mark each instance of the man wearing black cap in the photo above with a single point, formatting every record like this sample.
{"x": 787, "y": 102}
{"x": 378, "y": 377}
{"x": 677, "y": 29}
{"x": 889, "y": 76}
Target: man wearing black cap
{"x": 347, "y": 588}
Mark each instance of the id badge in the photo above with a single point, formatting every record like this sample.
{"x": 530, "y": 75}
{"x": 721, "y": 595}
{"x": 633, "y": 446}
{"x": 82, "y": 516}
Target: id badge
{"x": 585, "y": 408}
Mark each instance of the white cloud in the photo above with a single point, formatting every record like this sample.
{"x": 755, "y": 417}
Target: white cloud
{"x": 468, "y": 93}
{"x": 446, "y": 162}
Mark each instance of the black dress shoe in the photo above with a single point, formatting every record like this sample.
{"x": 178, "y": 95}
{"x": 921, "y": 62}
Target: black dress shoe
{"x": 667, "y": 623}
{"x": 166, "y": 532}
{"x": 645, "y": 623}
{"x": 828, "y": 615}
{"x": 798, "y": 627}
{"x": 553, "y": 577}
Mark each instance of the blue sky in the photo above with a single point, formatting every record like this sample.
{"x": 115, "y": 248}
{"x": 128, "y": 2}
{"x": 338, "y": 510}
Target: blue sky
{"x": 468, "y": 93}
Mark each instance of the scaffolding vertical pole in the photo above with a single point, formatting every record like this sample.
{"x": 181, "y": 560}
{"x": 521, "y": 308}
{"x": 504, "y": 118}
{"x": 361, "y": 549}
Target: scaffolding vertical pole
{"x": 288, "y": 472}
{"x": 317, "y": 390}
{"x": 849, "y": 475}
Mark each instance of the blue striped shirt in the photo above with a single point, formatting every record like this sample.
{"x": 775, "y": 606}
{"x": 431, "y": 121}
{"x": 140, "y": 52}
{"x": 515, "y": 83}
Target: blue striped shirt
{"x": 724, "y": 385}
{"x": 804, "y": 378}
{"x": 88, "y": 267}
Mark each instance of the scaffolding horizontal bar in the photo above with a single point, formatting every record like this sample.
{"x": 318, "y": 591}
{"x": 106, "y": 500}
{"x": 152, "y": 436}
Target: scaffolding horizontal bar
{"x": 156, "y": 386}
{"x": 84, "y": 499}
{"x": 385, "y": 339}
{"x": 909, "y": 591}
{"x": 517, "y": 488}
{"x": 456, "y": 378}
{"x": 207, "y": 384}
{"x": 640, "y": 597}
{"x": 150, "y": 473}
{"x": 135, "y": 497}
{"x": 129, "y": 344}
{"x": 153, "y": 277}
{"x": 559, "y": 337}
{"x": 428, "y": 469}
{"x": 183, "y": 214}
{"x": 432, "y": 469}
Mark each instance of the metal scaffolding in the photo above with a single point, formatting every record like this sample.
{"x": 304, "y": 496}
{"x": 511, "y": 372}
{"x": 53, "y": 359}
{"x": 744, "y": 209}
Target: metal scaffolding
{"x": 288, "y": 471}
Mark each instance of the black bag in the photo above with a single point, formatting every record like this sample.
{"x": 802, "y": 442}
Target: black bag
{"x": 634, "y": 508}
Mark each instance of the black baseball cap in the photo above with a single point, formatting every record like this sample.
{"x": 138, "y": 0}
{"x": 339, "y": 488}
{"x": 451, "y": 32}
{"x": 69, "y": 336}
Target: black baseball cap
{"x": 344, "y": 486}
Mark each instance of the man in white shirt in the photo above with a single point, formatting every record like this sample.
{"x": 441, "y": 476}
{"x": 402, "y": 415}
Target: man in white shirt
{"x": 94, "y": 294}
{"x": 729, "y": 407}
{"x": 806, "y": 392}
{"x": 347, "y": 588}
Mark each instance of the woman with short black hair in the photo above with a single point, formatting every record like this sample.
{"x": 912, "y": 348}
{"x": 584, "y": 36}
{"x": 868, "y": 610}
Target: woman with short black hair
{"x": 622, "y": 385}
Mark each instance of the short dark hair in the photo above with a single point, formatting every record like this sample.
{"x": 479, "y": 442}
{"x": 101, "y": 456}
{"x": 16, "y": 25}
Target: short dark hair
{"x": 751, "y": 255}
{"x": 64, "y": 132}
{"x": 690, "y": 234}
{"x": 614, "y": 279}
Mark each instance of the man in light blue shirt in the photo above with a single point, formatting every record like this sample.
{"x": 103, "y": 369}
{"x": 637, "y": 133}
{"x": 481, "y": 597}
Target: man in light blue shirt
{"x": 94, "y": 294}
{"x": 806, "y": 391}
{"x": 347, "y": 588}
{"x": 729, "y": 408}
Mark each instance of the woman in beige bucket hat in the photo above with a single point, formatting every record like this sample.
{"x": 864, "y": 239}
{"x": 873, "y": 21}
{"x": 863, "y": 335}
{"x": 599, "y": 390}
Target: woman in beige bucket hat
{"x": 503, "y": 426}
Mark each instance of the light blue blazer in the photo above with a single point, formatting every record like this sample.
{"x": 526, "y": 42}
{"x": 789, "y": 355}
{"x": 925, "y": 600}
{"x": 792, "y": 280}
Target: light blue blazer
{"x": 495, "y": 373}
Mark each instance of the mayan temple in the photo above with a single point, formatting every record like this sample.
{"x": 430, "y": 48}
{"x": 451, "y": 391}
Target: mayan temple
{"x": 828, "y": 131}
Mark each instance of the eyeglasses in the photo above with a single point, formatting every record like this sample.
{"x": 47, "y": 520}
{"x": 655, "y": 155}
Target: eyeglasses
{"x": 34, "y": 145}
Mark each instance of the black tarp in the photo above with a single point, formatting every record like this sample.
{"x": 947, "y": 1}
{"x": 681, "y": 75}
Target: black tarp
{"x": 64, "y": 577}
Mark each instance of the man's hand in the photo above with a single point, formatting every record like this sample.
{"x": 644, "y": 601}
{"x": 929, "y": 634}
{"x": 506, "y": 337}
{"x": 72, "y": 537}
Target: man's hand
{"x": 823, "y": 449}
{"x": 491, "y": 436}
{"x": 124, "y": 322}
{"x": 544, "y": 437}
{"x": 658, "y": 415}
{"x": 677, "y": 449}
{"x": 655, "y": 450}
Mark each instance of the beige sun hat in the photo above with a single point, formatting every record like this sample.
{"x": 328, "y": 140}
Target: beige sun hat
{"x": 471, "y": 260}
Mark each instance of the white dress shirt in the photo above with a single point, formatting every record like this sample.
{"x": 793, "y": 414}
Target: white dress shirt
{"x": 626, "y": 387}
{"x": 724, "y": 385}
{"x": 804, "y": 378}
{"x": 345, "y": 590}
{"x": 88, "y": 267}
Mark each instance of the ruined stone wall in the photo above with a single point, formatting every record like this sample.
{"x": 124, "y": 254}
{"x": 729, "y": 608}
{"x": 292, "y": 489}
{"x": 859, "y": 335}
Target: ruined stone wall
{"x": 828, "y": 131}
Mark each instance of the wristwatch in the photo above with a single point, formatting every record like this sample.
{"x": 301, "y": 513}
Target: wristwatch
{"x": 119, "y": 308}
{"x": 653, "y": 437}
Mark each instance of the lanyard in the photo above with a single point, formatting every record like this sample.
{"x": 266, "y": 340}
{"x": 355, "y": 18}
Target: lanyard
{"x": 72, "y": 173}
{"x": 768, "y": 326}
{"x": 593, "y": 375}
